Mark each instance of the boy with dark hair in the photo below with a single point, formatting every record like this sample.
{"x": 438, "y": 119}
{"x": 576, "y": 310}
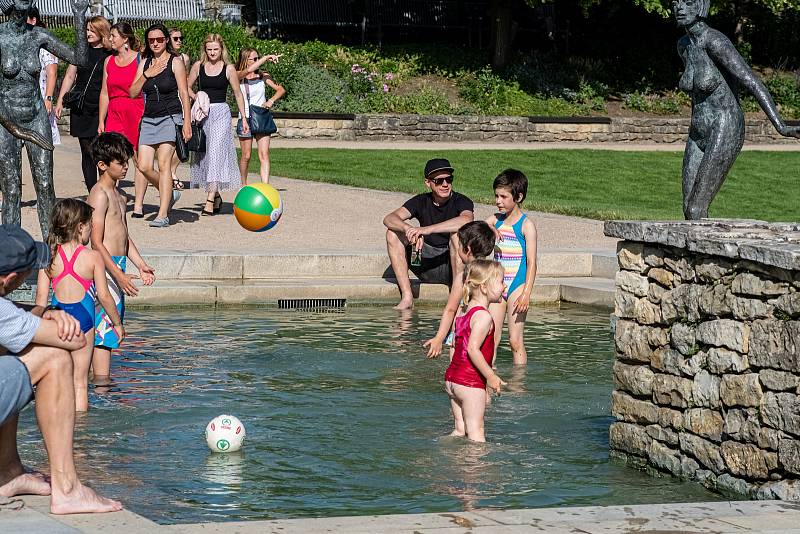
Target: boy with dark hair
{"x": 516, "y": 251}
{"x": 111, "y": 152}
{"x": 475, "y": 241}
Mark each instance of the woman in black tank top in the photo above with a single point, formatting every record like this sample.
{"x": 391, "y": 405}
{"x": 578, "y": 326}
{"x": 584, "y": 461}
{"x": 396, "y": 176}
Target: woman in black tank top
{"x": 163, "y": 81}
{"x": 216, "y": 169}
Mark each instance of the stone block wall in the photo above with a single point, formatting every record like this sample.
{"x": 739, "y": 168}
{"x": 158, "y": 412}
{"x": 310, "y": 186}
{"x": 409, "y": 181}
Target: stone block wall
{"x": 707, "y": 340}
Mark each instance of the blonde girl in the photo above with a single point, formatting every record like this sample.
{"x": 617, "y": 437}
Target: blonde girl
{"x": 253, "y": 84}
{"x": 470, "y": 371}
{"x": 77, "y": 276}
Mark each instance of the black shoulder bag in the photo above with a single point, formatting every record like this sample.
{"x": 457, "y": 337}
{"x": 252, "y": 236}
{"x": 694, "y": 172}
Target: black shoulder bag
{"x": 75, "y": 100}
{"x": 261, "y": 121}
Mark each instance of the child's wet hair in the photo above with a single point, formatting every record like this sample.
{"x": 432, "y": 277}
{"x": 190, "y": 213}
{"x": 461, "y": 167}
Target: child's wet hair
{"x": 111, "y": 146}
{"x": 515, "y": 181}
{"x": 478, "y": 238}
{"x": 479, "y": 272}
{"x": 65, "y": 217}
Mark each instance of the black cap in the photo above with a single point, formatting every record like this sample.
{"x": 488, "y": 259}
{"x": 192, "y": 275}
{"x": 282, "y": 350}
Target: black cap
{"x": 435, "y": 165}
{"x": 19, "y": 252}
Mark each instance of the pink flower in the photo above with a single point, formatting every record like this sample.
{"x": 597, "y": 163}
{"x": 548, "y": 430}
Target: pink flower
{"x": 385, "y": 88}
{"x": 389, "y": 76}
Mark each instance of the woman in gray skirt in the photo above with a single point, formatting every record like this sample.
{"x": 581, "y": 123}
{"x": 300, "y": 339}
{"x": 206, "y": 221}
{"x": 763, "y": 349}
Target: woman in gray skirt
{"x": 216, "y": 169}
{"x": 162, "y": 79}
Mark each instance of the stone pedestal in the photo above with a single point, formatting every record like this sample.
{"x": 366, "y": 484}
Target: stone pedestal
{"x": 707, "y": 339}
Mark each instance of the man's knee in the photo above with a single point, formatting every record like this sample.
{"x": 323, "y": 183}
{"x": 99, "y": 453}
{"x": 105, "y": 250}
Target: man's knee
{"x": 394, "y": 239}
{"x": 42, "y": 361}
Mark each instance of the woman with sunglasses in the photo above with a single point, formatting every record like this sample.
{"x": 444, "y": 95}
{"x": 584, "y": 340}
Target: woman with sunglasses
{"x": 176, "y": 36}
{"x": 163, "y": 82}
{"x": 253, "y": 85}
{"x": 216, "y": 169}
{"x": 87, "y": 80}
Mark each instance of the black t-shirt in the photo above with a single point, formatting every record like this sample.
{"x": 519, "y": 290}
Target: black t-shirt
{"x": 427, "y": 213}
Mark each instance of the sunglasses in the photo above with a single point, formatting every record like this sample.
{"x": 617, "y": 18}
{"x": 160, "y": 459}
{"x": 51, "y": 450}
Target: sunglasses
{"x": 177, "y": 37}
{"x": 442, "y": 180}
{"x": 153, "y": 40}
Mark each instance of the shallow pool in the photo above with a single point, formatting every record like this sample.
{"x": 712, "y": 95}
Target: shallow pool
{"x": 345, "y": 416}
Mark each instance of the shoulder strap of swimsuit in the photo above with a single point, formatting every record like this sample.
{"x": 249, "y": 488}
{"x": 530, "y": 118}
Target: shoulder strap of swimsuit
{"x": 69, "y": 268}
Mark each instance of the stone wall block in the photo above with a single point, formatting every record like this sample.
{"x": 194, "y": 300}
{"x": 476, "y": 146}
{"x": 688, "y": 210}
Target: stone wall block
{"x": 630, "y": 256}
{"x": 683, "y": 338}
{"x": 745, "y": 309}
{"x": 725, "y": 333}
{"x": 705, "y": 390}
{"x": 748, "y": 284}
{"x": 712, "y": 269}
{"x": 629, "y": 438}
{"x": 647, "y": 313}
{"x": 778, "y": 380}
{"x": 625, "y": 304}
{"x": 782, "y": 412}
{"x": 635, "y": 343}
{"x": 669, "y": 418}
{"x": 626, "y": 408}
{"x": 704, "y": 422}
{"x": 654, "y": 256}
{"x": 788, "y": 304}
{"x": 714, "y": 301}
{"x": 726, "y": 483}
{"x": 744, "y": 460}
{"x": 632, "y": 283}
{"x": 661, "y": 276}
{"x": 654, "y": 293}
{"x": 743, "y": 425}
{"x": 635, "y": 379}
{"x": 741, "y": 390}
{"x": 671, "y": 390}
{"x": 663, "y": 434}
{"x": 664, "y": 458}
{"x": 789, "y": 455}
{"x": 682, "y": 267}
{"x": 689, "y": 467}
{"x": 705, "y": 452}
{"x": 776, "y": 344}
{"x": 721, "y": 361}
{"x": 769, "y": 438}
{"x": 692, "y": 366}
{"x": 681, "y": 304}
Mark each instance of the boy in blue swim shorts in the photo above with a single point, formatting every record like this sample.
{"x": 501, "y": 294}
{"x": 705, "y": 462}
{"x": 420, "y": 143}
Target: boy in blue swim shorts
{"x": 111, "y": 152}
{"x": 516, "y": 252}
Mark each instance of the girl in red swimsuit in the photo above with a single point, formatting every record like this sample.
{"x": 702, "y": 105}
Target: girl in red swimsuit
{"x": 470, "y": 370}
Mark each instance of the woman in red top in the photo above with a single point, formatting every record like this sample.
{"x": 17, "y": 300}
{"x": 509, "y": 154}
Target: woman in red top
{"x": 470, "y": 370}
{"x": 118, "y": 111}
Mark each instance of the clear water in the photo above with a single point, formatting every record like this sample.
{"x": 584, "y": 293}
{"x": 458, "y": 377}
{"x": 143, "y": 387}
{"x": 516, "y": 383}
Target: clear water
{"x": 345, "y": 416}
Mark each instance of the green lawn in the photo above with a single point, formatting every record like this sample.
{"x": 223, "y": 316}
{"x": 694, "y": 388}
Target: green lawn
{"x": 598, "y": 184}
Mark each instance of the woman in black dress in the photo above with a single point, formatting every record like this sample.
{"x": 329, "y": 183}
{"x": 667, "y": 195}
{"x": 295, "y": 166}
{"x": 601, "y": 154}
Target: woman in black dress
{"x": 83, "y": 121}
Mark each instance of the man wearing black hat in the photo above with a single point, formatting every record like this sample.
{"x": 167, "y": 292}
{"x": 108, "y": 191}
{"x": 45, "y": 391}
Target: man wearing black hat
{"x": 440, "y": 214}
{"x": 40, "y": 343}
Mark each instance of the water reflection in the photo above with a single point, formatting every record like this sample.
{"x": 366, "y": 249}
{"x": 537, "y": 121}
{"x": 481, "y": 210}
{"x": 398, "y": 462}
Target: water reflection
{"x": 345, "y": 416}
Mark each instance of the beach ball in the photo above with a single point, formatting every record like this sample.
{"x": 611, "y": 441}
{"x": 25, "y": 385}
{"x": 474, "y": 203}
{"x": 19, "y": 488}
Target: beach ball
{"x": 258, "y": 207}
{"x": 225, "y": 433}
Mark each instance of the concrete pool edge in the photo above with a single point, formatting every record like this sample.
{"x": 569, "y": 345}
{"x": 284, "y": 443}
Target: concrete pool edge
{"x": 702, "y": 517}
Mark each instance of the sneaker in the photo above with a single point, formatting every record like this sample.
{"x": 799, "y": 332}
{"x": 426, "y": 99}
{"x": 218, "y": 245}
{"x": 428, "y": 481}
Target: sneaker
{"x": 176, "y": 195}
{"x": 160, "y": 222}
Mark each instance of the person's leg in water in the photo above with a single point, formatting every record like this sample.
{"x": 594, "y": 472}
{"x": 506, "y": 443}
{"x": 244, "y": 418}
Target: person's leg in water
{"x": 473, "y": 406}
{"x": 516, "y": 329}
{"x": 81, "y": 360}
{"x": 458, "y": 415}
{"x": 51, "y": 370}
{"x": 246, "y": 143}
{"x": 396, "y": 247}
{"x": 263, "y": 157}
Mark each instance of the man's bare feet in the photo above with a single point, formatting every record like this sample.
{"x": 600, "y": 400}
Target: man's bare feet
{"x": 405, "y": 303}
{"x": 25, "y": 484}
{"x": 82, "y": 500}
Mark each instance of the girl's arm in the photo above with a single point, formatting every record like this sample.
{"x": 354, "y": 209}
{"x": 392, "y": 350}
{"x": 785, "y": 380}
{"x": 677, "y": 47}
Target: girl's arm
{"x": 104, "y": 295}
{"x": 193, "y": 74}
{"x": 279, "y": 91}
{"x": 233, "y": 80}
{"x": 42, "y": 290}
{"x": 103, "y": 106}
{"x": 183, "y": 91}
{"x": 66, "y": 85}
{"x": 480, "y": 323}
{"x": 50, "y": 86}
{"x": 524, "y": 300}
{"x": 434, "y": 344}
{"x": 241, "y": 74}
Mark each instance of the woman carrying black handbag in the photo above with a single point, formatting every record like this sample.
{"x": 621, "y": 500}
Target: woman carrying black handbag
{"x": 80, "y": 93}
{"x": 257, "y": 110}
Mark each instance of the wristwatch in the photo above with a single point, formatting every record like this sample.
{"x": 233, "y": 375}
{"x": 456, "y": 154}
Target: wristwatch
{"x": 49, "y": 98}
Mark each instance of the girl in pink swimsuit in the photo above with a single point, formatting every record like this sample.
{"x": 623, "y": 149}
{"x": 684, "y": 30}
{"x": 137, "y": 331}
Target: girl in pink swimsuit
{"x": 470, "y": 370}
{"x": 78, "y": 277}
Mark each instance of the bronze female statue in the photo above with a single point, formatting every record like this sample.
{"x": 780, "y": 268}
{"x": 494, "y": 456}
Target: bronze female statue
{"x": 25, "y": 118}
{"x": 714, "y": 72}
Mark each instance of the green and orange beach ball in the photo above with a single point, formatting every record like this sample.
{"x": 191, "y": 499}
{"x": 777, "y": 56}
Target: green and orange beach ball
{"x": 258, "y": 207}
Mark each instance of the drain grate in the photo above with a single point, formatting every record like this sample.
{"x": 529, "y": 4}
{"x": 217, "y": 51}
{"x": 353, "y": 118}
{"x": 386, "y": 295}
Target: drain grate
{"x": 310, "y": 304}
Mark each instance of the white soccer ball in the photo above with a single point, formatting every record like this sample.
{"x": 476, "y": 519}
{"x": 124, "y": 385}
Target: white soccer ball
{"x": 225, "y": 433}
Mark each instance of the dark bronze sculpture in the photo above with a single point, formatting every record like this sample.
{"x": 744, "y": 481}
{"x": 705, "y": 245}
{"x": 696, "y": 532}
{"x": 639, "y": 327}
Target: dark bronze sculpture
{"x": 714, "y": 72}
{"x": 22, "y": 111}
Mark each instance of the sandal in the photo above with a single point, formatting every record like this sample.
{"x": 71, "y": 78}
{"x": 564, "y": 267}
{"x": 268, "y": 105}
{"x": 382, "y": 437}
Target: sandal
{"x": 177, "y": 184}
{"x": 217, "y": 203}
{"x": 204, "y": 212}
{"x": 136, "y": 215}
